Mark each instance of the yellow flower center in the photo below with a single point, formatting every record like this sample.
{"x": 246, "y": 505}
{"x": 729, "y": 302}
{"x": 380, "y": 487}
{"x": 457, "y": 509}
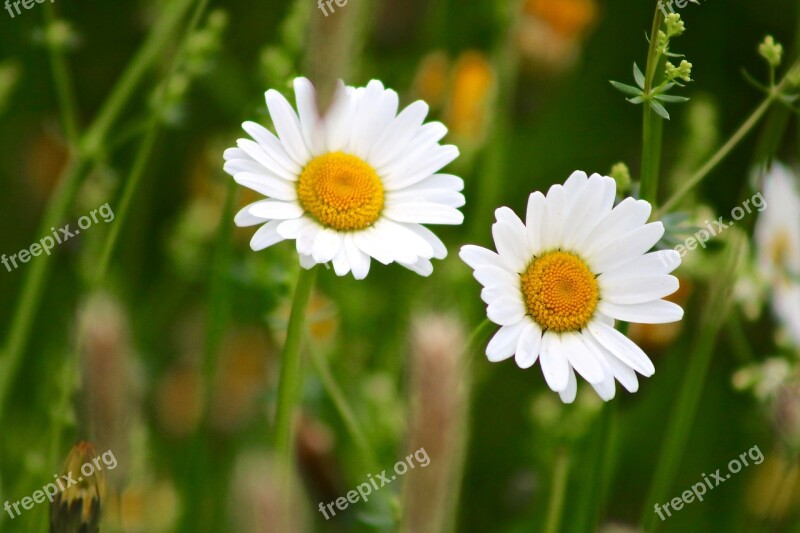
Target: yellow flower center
{"x": 560, "y": 291}
{"x": 341, "y": 192}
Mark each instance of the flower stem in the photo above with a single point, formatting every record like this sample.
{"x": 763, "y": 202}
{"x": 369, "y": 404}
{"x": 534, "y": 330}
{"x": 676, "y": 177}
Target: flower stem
{"x": 290, "y": 380}
{"x": 683, "y": 412}
{"x": 558, "y": 491}
{"x": 750, "y": 123}
{"x": 63, "y": 83}
{"x": 652, "y": 124}
{"x": 69, "y": 184}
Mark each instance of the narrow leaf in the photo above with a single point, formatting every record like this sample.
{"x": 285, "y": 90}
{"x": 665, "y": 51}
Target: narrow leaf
{"x": 638, "y": 76}
{"x": 627, "y": 89}
{"x": 660, "y": 109}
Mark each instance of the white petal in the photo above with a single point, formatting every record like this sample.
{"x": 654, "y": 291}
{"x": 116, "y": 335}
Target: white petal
{"x": 586, "y": 211}
{"x": 504, "y": 342}
{"x": 406, "y": 244}
{"x": 290, "y": 229}
{"x": 530, "y": 341}
{"x": 306, "y": 237}
{"x": 627, "y": 216}
{"x": 435, "y": 196}
{"x": 431, "y": 162}
{"x": 569, "y": 393}
{"x": 636, "y": 290}
{"x": 477, "y": 256}
{"x": 421, "y": 266}
{"x": 654, "y": 263}
{"x": 244, "y": 218}
{"x": 574, "y": 184}
{"x": 307, "y": 262}
{"x": 272, "y": 187}
{"x": 439, "y": 181}
{"x": 341, "y": 266}
{"x": 369, "y": 241}
{"x": 426, "y": 138}
{"x": 622, "y": 347}
{"x": 506, "y": 311}
{"x": 359, "y": 261}
{"x": 423, "y": 213}
{"x": 494, "y": 276}
{"x": 326, "y": 245}
{"x": 581, "y": 359}
{"x": 631, "y": 245}
{"x": 272, "y": 146}
{"x": 535, "y": 220}
{"x": 234, "y": 166}
{"x": 275, "y": 209}
{"x": 395, "y": 138}
{"x": 254, "y": 150}
{"x": 553, "y": 224}
{"x": 511, "y": 242}
{"x": 555, "y": 366}
{"x": 308, "y": 112}
{"x": 266, "y": 236}
{"x": 652, "y": 312}
{"x": 375, "y": 109}
{"x": 288, "y": 127}
{"x": 339, "y": 119}
{"x": 439, "y": 249}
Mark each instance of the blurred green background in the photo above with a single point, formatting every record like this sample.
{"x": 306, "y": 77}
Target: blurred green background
{"x": 171, "y": 359}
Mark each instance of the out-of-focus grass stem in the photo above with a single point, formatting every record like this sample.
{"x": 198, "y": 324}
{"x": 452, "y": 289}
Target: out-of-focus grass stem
{"x": 558, "y": 491}
{"x": 69, "y": 183}
{"x": 62, "y": 81}
{"x": 652, "y": 124}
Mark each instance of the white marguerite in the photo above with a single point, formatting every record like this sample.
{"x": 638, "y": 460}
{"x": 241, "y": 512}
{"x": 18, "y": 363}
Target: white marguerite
{"x": 558, "y": 281}
{"x": 354, "y": 185}
{"x": 777, "y": 236}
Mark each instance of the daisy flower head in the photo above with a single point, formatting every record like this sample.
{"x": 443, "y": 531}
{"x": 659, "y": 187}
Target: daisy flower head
{"x": 353, "y": 185}
{"x": 777, "y": 237}
{"x": 559, "y": 280}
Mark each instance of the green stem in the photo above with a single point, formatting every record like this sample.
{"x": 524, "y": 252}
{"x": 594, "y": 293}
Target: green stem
{"x": 69, "y": 184}
{"x": 652, "y": 124}
{"x": 290, "y": 380}
{"x": 721, "y": 154}
{"x": 750, "y": 123}
{"x": 558, "y": 491}
{"x": 131, "y": 185}
{"x": 685, "y": 408}
{"x": 63, "y": 83}
{"x": 344, "y": 409}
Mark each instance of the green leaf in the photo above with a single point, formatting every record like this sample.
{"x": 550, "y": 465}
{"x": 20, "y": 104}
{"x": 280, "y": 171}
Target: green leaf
{"x": 636, "y": 100}
{"x": 638, "y": 76}
{"x": 670, "y": 99}
{"x": 626, "y": 89}
{"x": 660, "y": 109}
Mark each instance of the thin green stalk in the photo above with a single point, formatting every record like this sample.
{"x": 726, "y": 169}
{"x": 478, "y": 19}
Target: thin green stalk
{"x": 63, "y": 82}
{"x": 750, "y": 123}
{"x": 474, "y": 345}
{"x": 290, "y": 380}
{"x": 69, "y": 184}
{"x": 558, "y": 491}
{"x": 344, "y": 409}
{"x": 685, "y": 408}
{"x": 144, "y": 153}
{"x": 652, "y": 124}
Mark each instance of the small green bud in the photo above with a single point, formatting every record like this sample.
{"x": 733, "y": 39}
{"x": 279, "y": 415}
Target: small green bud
{"x": 771, "y": 51}
{"x": 682, "y": 71}
{"x": 662, "y": 44}
{"x": 622, "y": 175}
{"x": 675, "y": 25}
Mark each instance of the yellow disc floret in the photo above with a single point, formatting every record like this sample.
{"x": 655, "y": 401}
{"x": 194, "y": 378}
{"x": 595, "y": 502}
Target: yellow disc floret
{"x": 560, "y": 291}
{"x": 341, "y": 192}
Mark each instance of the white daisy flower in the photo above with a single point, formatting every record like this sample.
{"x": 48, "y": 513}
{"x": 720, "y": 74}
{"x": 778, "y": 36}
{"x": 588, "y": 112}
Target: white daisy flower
{"x": 354, "y": 185}
{"x": 559, "y": 280}
{"x": 777, "y": 236}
